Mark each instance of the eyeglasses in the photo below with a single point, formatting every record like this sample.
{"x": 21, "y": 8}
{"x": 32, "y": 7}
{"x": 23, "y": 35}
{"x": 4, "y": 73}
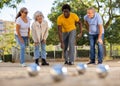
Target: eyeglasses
{"x": 25, "y": 12}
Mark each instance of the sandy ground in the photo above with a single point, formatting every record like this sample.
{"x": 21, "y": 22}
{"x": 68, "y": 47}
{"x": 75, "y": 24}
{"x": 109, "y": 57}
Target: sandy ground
{"x": 12, "y": 74}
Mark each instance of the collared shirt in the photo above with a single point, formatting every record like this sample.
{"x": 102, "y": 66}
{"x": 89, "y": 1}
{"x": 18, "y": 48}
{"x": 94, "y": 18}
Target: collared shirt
{"x": 68, "y": 24}
{"x": 39, "y": 31}
{"x": 93, "y": 23}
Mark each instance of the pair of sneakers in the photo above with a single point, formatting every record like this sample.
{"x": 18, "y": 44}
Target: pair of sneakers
{"x": 93, "y": 62}
{"x": 69, "y": 63}
{"x": 23, "y": 65}
{"x": 44, "y": 62}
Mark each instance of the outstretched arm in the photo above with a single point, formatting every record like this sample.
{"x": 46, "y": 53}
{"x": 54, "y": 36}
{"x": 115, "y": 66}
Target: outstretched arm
{"x": 80, "y": 26}
{"x": 100, "y": 34}
{"x": 60, "y": 36}
{"x": 87, "y": 25}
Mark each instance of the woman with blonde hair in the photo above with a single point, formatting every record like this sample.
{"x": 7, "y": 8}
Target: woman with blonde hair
{"x": 39, "y": 35}
{"x": 22, "y": 32}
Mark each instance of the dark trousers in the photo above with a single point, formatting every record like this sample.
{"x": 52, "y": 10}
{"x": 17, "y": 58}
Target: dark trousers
{"x": 93, "y": 39}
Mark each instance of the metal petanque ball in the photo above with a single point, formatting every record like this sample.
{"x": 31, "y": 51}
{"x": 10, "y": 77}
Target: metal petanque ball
{"x": 58, "y": 72}
{"x": 102, "y": 70}
{"x": 33, "y": 70}
{"x": 81, "y": 68}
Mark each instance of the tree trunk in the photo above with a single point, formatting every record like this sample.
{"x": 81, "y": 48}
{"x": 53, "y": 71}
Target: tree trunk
{"x": 104, "y": 47}
{"x": 110, "y": 50}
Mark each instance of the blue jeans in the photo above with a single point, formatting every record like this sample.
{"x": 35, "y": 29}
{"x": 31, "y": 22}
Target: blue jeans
{"x": 22, "y": 48}
{"x": 93, "y": 39}
{"x": 40, "y": 53}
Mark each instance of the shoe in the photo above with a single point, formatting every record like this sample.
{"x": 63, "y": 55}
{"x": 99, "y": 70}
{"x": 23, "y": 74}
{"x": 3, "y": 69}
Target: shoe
{"x": 44, "y": 62}
{"x": 66, "y": 62}
{"x": 91, "y": 63}
{"x": 23, "y": 65}
{"x": 99, "y": 63}
{"x": 37, "y": 61}
{"x": 70, "y": 63}
{"x": 1, "y": 61}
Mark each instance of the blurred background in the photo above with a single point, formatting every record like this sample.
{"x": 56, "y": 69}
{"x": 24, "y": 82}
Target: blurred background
{"x": 108, "y": 9}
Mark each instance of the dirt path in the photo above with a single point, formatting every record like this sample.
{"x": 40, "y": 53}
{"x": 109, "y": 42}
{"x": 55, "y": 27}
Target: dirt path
{"x": 12, "y": 74}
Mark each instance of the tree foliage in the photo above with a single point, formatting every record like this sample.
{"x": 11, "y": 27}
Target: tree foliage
{"x": 109, "y": 10}
{"x": 6, "y": 42}
{"x": 52, "y": 38}
{"x": 9, "y": 3}
{"x": 113, "y": 34}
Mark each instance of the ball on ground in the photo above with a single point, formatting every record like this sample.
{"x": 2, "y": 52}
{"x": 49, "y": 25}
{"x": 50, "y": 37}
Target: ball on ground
{"x": 58, "y": 72}
{"x": 102, "y": 70}
{"x": 33, "y": 70}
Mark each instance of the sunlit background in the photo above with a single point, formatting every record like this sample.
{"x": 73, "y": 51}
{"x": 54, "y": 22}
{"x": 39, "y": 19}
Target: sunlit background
{"x": 9, "y": 14}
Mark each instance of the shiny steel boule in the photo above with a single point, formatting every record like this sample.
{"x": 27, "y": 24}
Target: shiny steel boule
{"x": 33, "y": 70}
{"x": 58, "y": 72}
{"x": 102, "y": 70}
{"x": 81, "y": 68}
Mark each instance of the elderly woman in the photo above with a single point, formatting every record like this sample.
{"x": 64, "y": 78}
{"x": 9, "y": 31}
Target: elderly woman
{"x": 39, "y": 35}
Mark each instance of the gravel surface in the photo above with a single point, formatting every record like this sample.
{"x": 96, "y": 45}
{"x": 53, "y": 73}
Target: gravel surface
{"x": 12, "y": 74}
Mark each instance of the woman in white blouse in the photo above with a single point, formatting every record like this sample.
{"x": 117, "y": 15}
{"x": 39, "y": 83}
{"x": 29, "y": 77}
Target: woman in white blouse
{"x": 39, "y": 35}
{"x": 22, "y": 32}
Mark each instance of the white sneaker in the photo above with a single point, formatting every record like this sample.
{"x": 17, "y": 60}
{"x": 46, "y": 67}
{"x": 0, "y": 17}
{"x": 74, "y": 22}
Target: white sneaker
{"x": 1, "y": 61}
{"x": 23, "y": 65}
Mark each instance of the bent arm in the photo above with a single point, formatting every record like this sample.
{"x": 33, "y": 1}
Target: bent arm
{"x": 60, "y": 33}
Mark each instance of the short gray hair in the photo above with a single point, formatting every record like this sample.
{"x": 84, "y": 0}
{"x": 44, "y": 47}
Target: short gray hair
{"x": 37, "y": 13}
{"x": 91, "y": 8}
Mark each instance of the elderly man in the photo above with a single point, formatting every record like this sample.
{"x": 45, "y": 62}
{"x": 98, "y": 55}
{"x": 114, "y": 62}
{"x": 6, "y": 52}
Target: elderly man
{"x": 94, "y": 24}
{"x": 67, "y": 32}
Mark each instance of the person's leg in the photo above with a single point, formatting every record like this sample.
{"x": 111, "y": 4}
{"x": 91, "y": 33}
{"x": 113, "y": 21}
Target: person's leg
{"x": 65, "y": 40}
{"x": 43, "y": 50}
{"x": 100, "y": 51}
{"x": 43, "y": 54}
{"x": 71, "y": 45}
{"x": 25, "y": 43}
{"x": 22, "y": 50}
{"x": 25, "y": 40}
{"x": 92, "y": 48}
{"x": 36, "y": 54}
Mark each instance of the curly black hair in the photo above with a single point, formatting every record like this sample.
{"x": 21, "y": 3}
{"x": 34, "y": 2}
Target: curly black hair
{"x": 66, "y": 6}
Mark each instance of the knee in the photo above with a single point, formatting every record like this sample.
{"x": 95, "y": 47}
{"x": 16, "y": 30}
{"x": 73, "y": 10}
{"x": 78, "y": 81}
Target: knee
{"x": 100, "y": 45}
{"x": 36, "y": 48}
{"x": 92, "y": 45}
{"x": 43, "y": 47}
{"x": 22, "y": 46}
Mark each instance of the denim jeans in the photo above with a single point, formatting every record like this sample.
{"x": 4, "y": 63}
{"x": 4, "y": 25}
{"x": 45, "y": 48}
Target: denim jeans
{"x": 69, "y": 42}
{"x": 93, "y": 39}
{"x": 40, "y": 51}
{"x": 22, "y": 48}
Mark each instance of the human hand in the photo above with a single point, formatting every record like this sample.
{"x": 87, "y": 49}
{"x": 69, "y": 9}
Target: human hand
{"x": 62, "y": 45}
{"x": 44, "y": 41}
{"x": 79, "y": 35}
{"x": 100, "y": 41}
{"x": 21, "y": 40}
{"x": 36, "y": 43}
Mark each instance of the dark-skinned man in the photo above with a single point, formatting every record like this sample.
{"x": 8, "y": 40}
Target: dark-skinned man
{"x": 67, "y": 32}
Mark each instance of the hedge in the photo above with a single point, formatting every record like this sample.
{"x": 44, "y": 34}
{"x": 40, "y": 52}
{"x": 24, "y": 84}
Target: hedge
{"x": 50, "y": 55}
